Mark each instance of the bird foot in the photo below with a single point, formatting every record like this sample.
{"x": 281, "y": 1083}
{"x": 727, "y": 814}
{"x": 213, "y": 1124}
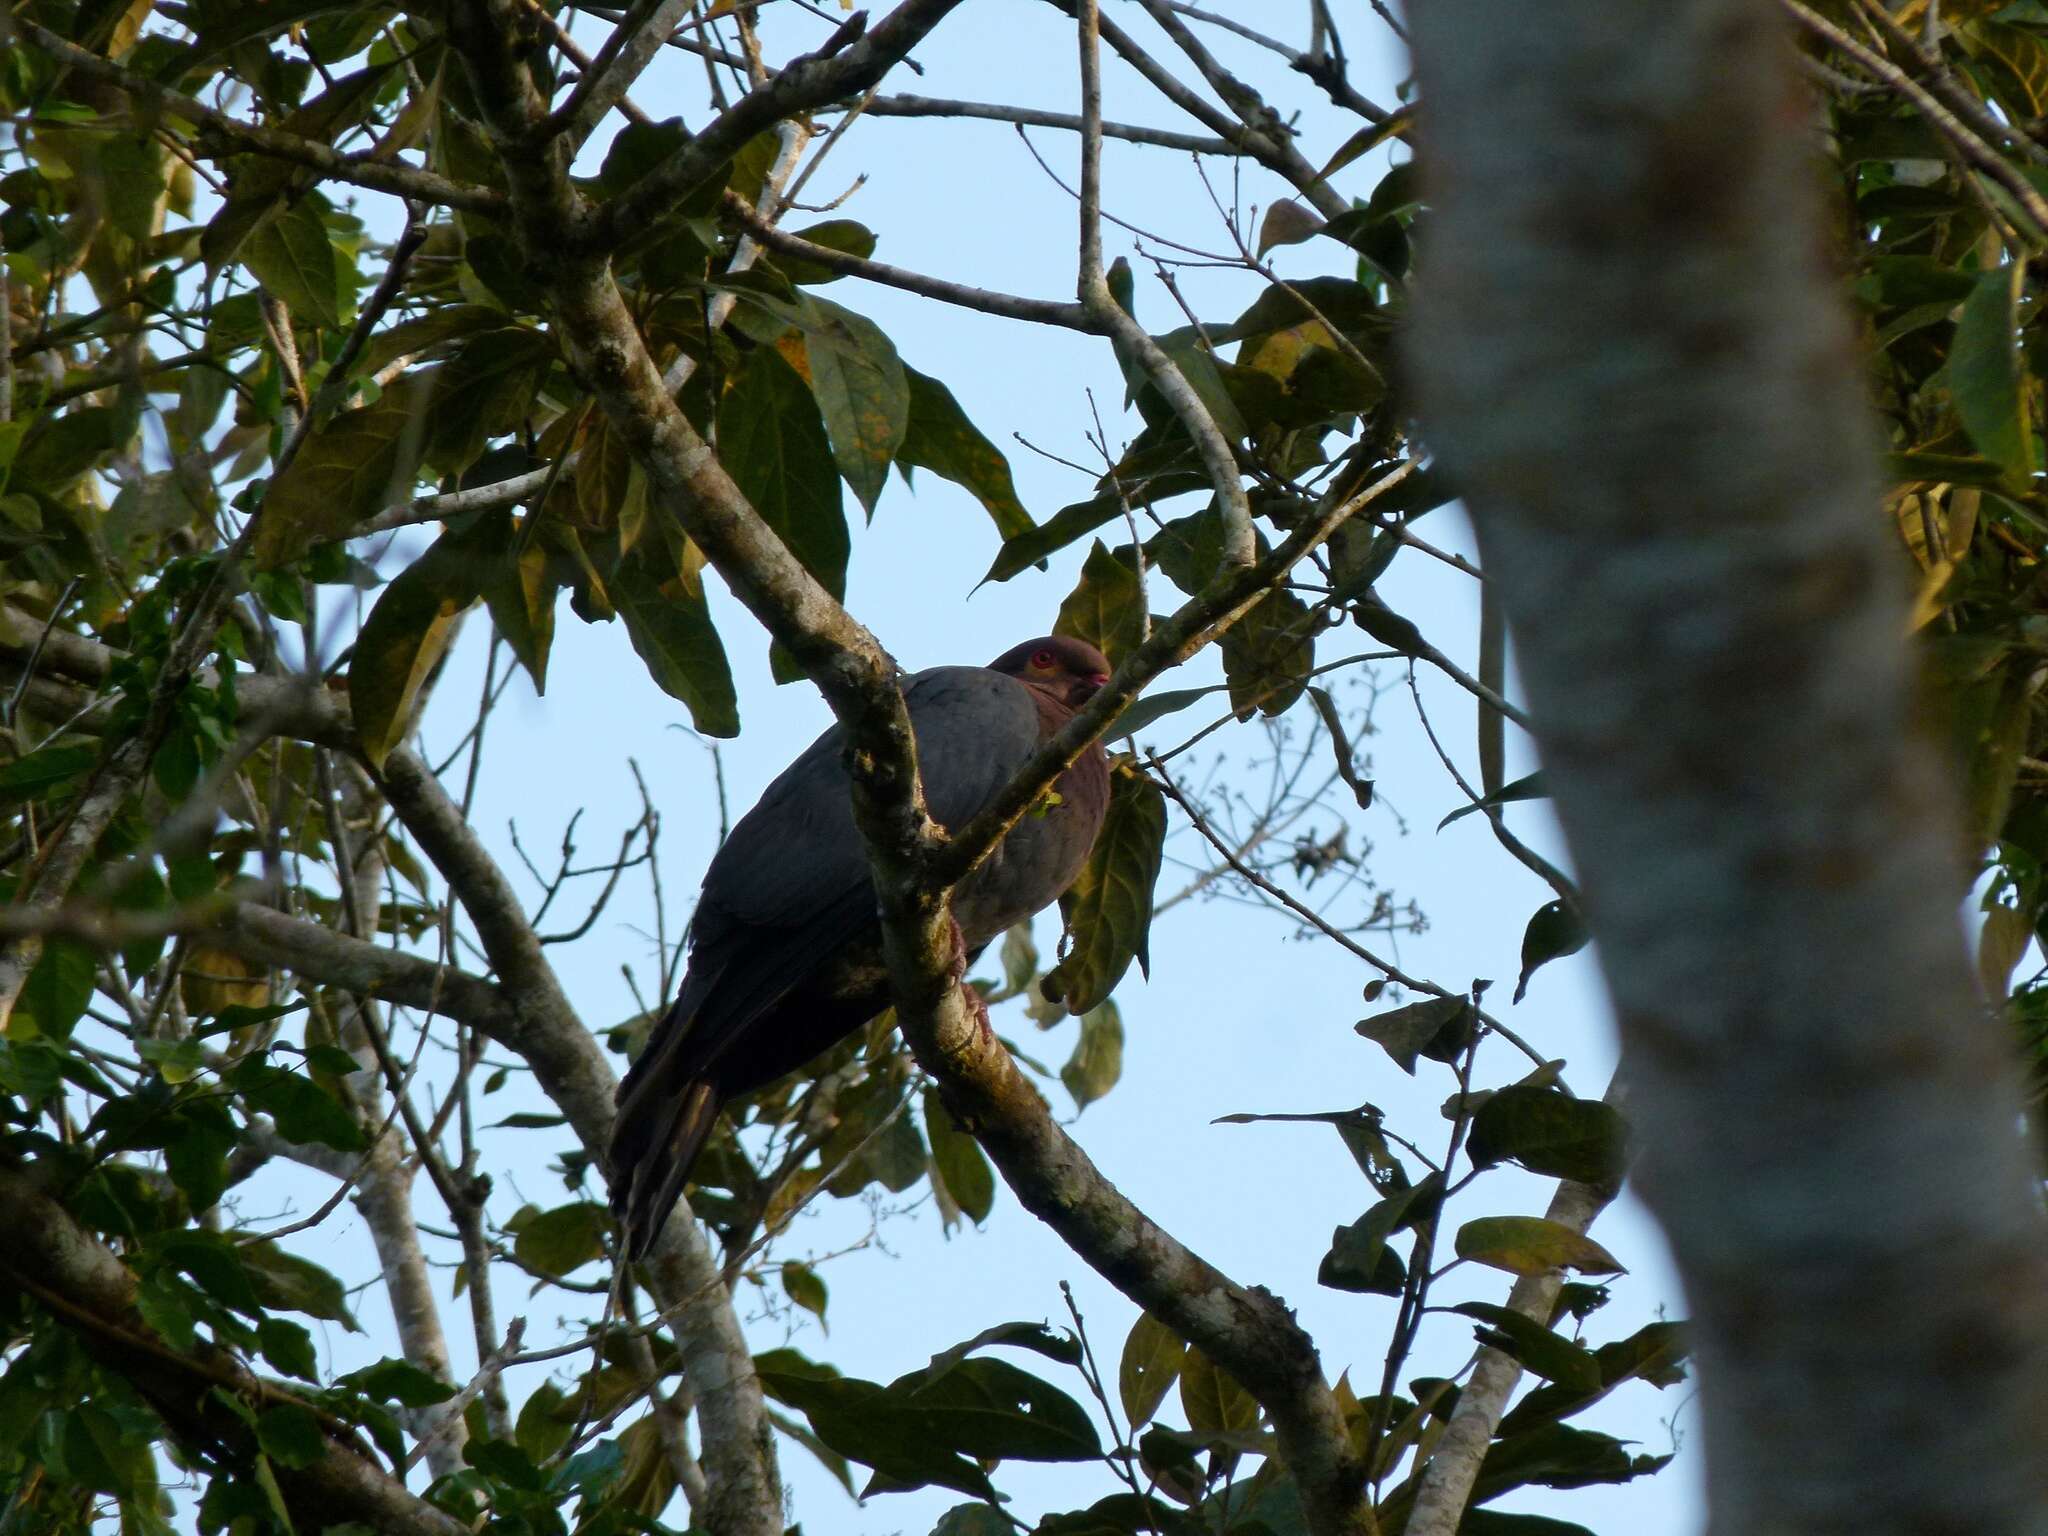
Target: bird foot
{"x": 977, "y": 1010}
{"x": 970, "y": 995}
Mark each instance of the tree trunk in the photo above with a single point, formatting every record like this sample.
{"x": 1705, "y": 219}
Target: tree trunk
{"x": 1635, "y": 361}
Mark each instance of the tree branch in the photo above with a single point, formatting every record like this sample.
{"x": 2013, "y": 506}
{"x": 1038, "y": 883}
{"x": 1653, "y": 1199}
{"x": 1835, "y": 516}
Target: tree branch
{"x": 843, "y": 67}
{"x": 1006, "y": 305}
{"x": 1219, "y": 459}
{"x": 92, "y": 1293}
{"x": 1031, "y": 117}
{"x": 377, "y": 175}
{"x": 1453, "y": 1468}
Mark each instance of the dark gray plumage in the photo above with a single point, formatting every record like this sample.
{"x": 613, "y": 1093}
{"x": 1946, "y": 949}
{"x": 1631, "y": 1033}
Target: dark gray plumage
{"x": 786, "y": 955}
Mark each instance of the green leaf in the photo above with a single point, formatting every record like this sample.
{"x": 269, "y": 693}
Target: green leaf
{"x": 402, "y": 640}
{"x": 1528, "y": 787}
{"x": 196, "y": 1156}
{"x": 566, "y": 1238}
{"x": 131, "y": 173}
{"x": 213, "y": 1263}
{"x": 974, "y": 1520}
{"x": 990, "y": 1409}
{"x": 546, "y": 1421}
{"x": 1558, "y": 1456}
{"x": 484, "y": 391}
{"x": 847, "y": 236}
{"x": 1357, "y": 1260}
{"x": 850, "y": 1418}
{"x": 60, "y": 449}
{"x": 301, "y": 1108}
{"x": 419, "y": 333}
{"x": 358, "y": 463}
{"x": 1152, "y": 1359}
{"x": 638, "y": 148}
{"x": 1530, "y": 1245}
{"x": 1268, "y": 655}
{"x": 669, "y": 623}
{"x": 1437, "y": 1027}
{"x": 1551, "y": 1133}
{"x": 1986, "y": 378}
{"x": 58, "y": 989}
{"x": 1556, "y": 930}
{"x": 284, "y": 1280}
{"x": 1109, "y": 907}
{"x": 1040, "y": 1340}
{"x": 803, "y": 1286}
{"x": 288, "y": 1347}
{"x": 772, "y": 441}
{"x": 958, "y": 1161}
{"x": 1098, "y": 1059}
{"x": 1106, "y": 607}
{"x": 862, "y": 391}
{"x": 290, "y": 1435}
{"x": 1159, "y": 465}
{"x": 292, "y": 256}
{"x": 2016, "y": 61}
{"x": 1548, "y": 1354}
{"x": 938, "y": 436}
{"x": 1212, "y": 1399}
{"x": 395, "y": 1381}
{"x": 266, "y": 1479}
{"x": 1154, "y": 707}
{"x": 521, "y": 595}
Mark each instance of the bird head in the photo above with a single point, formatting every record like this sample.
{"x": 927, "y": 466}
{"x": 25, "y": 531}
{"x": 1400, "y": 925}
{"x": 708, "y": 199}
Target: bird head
{"x": 1070, "y": 670}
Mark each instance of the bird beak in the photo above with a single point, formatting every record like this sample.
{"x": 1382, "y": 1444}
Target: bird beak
{"x": 1091, "y": 685}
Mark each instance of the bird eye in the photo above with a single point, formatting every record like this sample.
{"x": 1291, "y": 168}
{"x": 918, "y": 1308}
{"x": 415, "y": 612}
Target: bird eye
{"x": 1043, "y": 659}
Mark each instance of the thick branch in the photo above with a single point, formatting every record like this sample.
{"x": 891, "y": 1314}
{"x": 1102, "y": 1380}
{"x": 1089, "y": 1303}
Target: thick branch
{"x": 1652, "y": 406}
{"x": 632, "y": 44}
{"x": 1249, "y": 1332}
{"x": 92, "y": 1293}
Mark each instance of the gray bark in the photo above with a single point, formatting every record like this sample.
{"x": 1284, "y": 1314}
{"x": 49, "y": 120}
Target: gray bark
{"x": 1635, "y": 361}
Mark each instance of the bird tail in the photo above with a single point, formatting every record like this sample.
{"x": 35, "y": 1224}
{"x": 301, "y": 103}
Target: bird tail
{"x": 648, "y": 1178}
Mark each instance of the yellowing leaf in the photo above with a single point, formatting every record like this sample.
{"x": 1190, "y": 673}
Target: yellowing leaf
{"x": 1153, "y": 1354}
{"x": 215, "y": 979}
{"x": 1532, "y": 1245}
{"x": 1212, "y": 1399}
{"x": 1287, "y": 222}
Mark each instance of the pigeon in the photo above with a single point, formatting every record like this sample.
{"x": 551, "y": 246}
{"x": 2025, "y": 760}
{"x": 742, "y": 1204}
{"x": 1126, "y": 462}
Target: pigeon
{"x": 786, "y": 944}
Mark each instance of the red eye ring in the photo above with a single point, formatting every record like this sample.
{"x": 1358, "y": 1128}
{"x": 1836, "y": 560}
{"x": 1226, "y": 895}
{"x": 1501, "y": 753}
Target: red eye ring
{"x": 1043, "y": 660}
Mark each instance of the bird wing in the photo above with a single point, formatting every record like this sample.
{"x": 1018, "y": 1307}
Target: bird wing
{"x": 791, "y": 885}
{"x": 797, "y": 851}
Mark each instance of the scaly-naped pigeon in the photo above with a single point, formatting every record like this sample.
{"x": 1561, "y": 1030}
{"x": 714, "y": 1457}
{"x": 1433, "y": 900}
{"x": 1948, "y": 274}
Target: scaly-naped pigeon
{"x": 786, "y": 947}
